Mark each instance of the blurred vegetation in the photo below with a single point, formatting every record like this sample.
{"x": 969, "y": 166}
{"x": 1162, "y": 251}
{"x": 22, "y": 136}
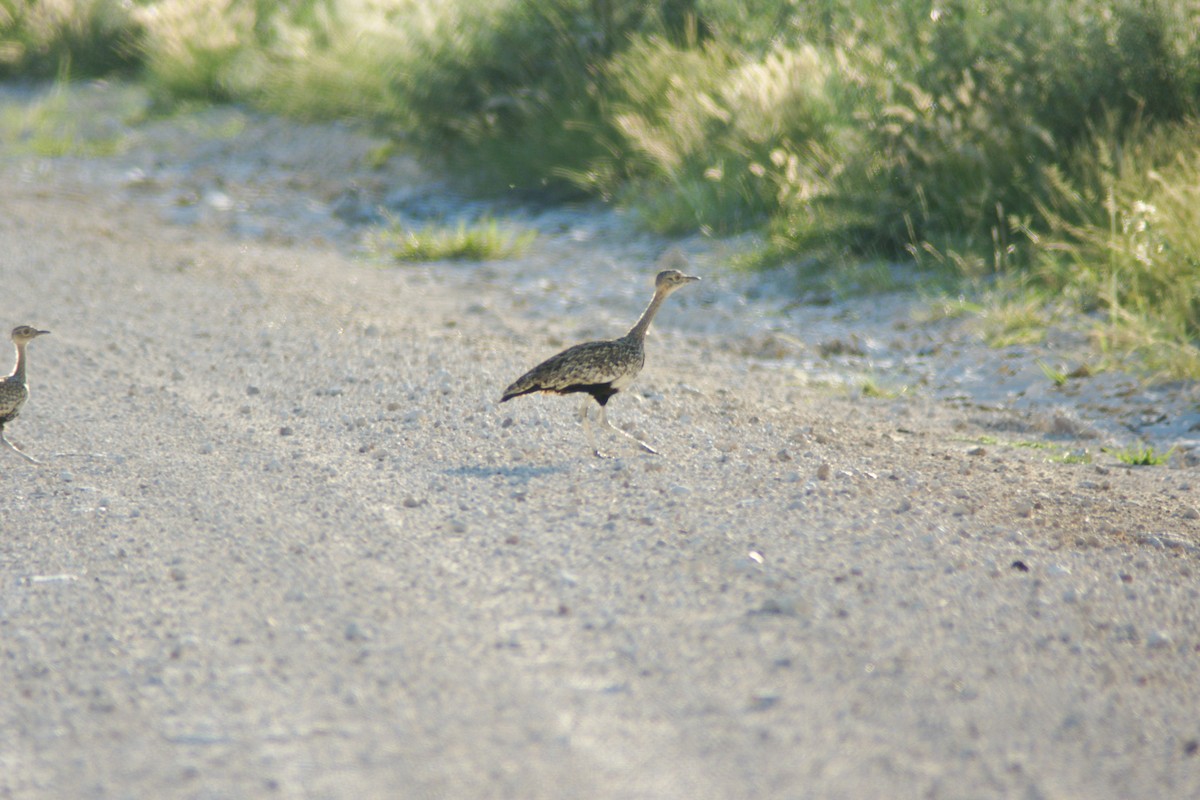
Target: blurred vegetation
{"x": 44, "y": 38}
{"x": 483, "y": 240}
{"x": 1050, "y": 145}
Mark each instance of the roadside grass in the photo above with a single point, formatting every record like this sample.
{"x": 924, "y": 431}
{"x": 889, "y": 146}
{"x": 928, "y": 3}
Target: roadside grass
{"x": 1010, "y": 322}
{"x": 1057, "y": 377}
{"x": 42, "y": 39}
{"x": 484, "y": 240}
{"x": 1133, "y": 455}
{"x": 1056, "y": 453}
{"x": 1140, "y": 456}
{"x": 56, "y": 124}
{"x": 1036, "y": 138}
{"x": 875, "y": 389}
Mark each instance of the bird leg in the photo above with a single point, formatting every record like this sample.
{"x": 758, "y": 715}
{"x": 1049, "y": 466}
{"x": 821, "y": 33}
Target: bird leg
{"x": 587, "y": 427}
{"x": 626, "y": 434}
{"x": 17, "y": 450}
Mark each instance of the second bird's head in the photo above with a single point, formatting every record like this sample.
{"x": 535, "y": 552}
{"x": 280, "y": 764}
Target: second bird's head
{"x": 23, "y": 333}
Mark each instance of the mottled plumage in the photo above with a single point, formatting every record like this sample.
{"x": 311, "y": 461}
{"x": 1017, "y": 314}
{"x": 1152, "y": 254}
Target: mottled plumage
{"x": 13, "y": 389}
{"x": 600, "y": 369}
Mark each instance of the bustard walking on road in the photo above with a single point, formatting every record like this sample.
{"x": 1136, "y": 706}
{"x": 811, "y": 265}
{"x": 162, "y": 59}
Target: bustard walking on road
{"x": 13, "y": 389}
{"x": 600, "y": 369}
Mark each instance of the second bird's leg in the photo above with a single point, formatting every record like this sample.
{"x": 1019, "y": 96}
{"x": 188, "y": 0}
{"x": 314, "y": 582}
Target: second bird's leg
{"x": 604, "y": 421}
{"x": 17, "y": 450}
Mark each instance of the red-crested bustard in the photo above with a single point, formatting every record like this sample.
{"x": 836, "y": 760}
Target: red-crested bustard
{"x": 601, "y": 369}
{"x": 14, "y": 390}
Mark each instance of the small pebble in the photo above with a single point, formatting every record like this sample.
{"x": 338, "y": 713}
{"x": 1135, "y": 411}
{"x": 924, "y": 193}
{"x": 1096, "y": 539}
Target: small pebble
{"x": 355, "y": 633}
{"x": 779, "y": 605}
{"x": 1159, "y": 640}
{"x": 763, "y": 701}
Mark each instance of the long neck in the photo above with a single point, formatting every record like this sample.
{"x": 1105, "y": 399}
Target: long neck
{"x": 18, "y": 372}
{"x": 638, "y": 331}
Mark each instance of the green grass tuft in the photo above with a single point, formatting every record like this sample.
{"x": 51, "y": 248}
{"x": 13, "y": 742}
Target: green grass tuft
{"x": 482, "y": 241}
{"x": 1057, "y": 455}
{"x": 872, "y": 388}
{"x": 1057, "y": 377}
{"x": 1140, "y": 456}
{"x": 61, "y": 122}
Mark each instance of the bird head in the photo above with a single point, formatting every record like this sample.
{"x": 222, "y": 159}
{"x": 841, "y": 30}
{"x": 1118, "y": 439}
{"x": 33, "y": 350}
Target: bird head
{"x": 671, "y": 279}
{"x": 24, "y": 333}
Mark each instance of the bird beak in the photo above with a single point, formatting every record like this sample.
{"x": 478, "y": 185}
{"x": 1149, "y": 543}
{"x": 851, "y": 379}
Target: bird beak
{"x": 691, "y": 278}
{"x": 43, "y": 333}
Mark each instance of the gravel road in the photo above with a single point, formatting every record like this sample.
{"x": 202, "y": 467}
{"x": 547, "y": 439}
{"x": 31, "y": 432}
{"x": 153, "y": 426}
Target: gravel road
{"x": 286, "y": 542}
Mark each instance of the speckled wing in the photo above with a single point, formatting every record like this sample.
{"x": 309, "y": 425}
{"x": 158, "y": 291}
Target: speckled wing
{"x": 591, "y": 363}
{"x": 12, "y": 397}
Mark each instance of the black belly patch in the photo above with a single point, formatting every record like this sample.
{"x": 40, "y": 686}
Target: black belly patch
{"x": 601, "y": 391}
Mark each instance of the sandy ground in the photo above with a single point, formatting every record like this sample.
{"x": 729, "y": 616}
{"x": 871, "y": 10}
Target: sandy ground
{"x": 285, "y": 542}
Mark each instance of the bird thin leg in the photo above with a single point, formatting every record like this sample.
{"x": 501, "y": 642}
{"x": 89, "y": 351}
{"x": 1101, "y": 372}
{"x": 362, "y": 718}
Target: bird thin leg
{"x": 17, "y": 450}
{"x": 626, "y": 434}
{"x": 587, "y": 428}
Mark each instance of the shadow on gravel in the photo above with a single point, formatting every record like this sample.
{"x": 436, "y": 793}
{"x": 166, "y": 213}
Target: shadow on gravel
{"x": 515, "y": 474}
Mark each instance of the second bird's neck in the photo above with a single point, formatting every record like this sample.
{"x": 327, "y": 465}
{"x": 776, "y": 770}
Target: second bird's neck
{"x": 18, "y": 373}
{"x": 638, "y": 331}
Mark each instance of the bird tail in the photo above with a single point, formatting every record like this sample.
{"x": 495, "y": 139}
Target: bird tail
{"x": 526, "y": 384}
{"x": 515, "y": 391}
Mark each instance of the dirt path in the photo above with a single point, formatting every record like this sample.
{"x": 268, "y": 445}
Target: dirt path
{"x": 293, "y": 547}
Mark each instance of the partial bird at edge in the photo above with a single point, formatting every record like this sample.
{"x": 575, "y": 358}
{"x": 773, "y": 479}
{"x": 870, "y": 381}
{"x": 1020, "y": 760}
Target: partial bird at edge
{"x": 14, "y": 389}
